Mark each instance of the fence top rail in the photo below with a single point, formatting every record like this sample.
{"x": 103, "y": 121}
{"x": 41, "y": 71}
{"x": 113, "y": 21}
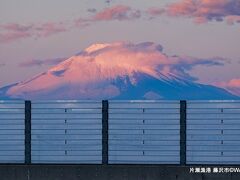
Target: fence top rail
{"x": 66, "y": 101}
{"x": 11, "y": 101}
{"x": 144, "y": 101}
{"x": 213, "y": 101}
{"x": 120, "y": 101}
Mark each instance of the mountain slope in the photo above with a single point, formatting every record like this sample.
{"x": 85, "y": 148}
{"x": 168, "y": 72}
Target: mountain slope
{"x": 118, "y": 71}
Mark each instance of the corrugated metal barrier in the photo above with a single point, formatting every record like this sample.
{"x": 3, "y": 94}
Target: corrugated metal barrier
{"x": 12, "y": 131}
{"x": 144, "y": 132}
{"x": 120, "y": 132}
{"x": 213, "y": 132}
{"x": 67, "y": 132}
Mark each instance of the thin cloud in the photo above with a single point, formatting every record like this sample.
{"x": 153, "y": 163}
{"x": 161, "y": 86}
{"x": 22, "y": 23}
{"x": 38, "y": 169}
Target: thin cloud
{"x": 12, "y": 32}
{"x": 38, "y": 62}
{"x": 2, "y": 64}
{"x": 153, "y": 11}
{"x": 119, "y": 12}
{"x": 16, "y": 27}
{"x": 114, "y": 13}
{"x": 13, "y": 36}
{"x": 203, "y": 11}
{"x": 48, "y": 29}
{"x": 232, "y": 85}
{"x": 108, "y": 1}
{"x": 92, "y": 10}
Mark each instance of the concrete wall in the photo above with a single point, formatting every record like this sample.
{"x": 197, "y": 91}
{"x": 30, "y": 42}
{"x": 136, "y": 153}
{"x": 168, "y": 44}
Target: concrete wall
{"x": 109, "y": 172}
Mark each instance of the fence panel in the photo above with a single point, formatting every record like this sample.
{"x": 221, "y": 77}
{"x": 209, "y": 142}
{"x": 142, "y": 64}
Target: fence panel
{"x": 139, "y": 132}
{"x": 67, "y": 132}
{"x": 144, "y": 132}
{"x": 213, "y": 132}
{"x": 12, "y": 120}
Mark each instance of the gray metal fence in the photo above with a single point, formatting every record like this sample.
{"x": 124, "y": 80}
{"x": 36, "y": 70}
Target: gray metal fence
{"x": 213, "y": 132}
{"x": 12, "y": 132}
{"x": 120, "y": 132}
{"x": 144, "y": 132}
{"x": 67, "y": 132}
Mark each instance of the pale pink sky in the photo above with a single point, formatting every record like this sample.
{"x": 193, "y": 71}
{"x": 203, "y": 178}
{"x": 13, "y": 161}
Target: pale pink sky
{"x": 36, "y": 35}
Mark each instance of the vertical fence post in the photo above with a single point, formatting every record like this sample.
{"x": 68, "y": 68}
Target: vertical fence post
{"x": 28, "y": 132}
{"x": 105, "y": 132}
{"x": 183, "y": 129}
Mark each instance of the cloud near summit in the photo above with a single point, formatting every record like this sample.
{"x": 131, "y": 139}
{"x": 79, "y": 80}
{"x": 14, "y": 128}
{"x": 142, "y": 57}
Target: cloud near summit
{"x": 146, "y": 57}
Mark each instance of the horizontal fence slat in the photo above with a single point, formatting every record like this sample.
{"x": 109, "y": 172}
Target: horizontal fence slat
{"x": 69, "y": 142}
{"x": 69, "y": 131}
{"x": 12, "y": 132}
{"x": 64, "y": 106}
{"x": 213, "y": 137}
{"x": 202, "y": 116}
{"x": 4, "y": 142}
{"x": 150, "y": 105}
{"x": 144, "y": 158}
{"x": 66, "y": 111}
{"x": 141, "y": 153}
{"x": 66, "y": 122}
{"x": 144, "y": 111}
{"x": 215, "y": 159}
{"x": 216, "y": 122}
{"x": 84, "y": 147}
{"x": 210, "y": 126}
{"x": 144, "y": 116}
{"x": 146, "y": 131}
{"x": 10, "y": 106}
{"x": 11, "y": 137}
{"x": 204, "y": 153}
{"x": 65, "y": 116}
{"x": 146, "y": 142}
{"x": 226, "y": 104}
{"x": 144, "y": 137}
{"x": 66, "y": 162}
{"x": 12, "y": 116}
{"x": 11, "y": 153}
{"x": 67, "y": 126}
{"x": 12, "y": 147}
{"x": 11, "y": 159}
{"x": 143, "y": 147}
{"x": 9, "y": 127}
{"x": 66, "y": 158}
{"x": 140, "y": 122}
{"x": 213, "y": 148}
{"x": 69, "y": 153}
{"x": 67, "y": 137}
{"x": 213, "y": 110}
{"x": 143, "y": 126}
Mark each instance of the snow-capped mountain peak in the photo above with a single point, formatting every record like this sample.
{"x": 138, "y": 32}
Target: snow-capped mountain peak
{"x": 118, "y": 71}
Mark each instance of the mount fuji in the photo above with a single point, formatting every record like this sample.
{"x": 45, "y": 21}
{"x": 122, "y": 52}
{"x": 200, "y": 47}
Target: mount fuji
{"x": 119, "y": 71}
